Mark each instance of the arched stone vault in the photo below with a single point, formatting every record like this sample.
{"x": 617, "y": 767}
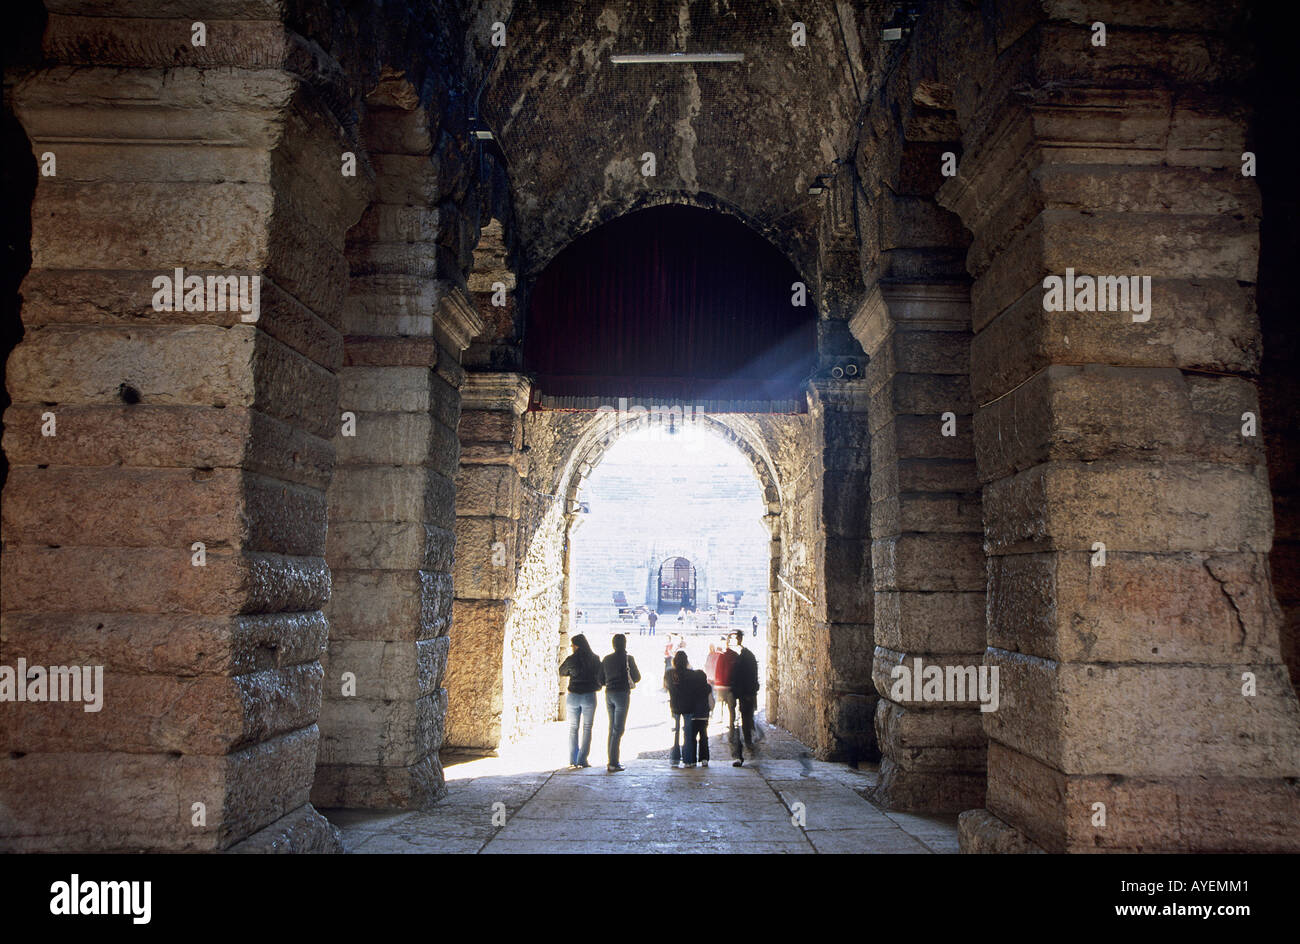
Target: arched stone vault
{"x": 1121, "y": 683}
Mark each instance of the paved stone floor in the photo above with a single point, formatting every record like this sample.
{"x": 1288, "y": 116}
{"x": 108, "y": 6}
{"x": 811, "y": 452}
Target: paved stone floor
{"x": 520, "y": 802}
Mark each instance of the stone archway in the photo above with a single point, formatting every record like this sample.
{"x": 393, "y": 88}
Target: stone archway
{"x": 599, "y": 432}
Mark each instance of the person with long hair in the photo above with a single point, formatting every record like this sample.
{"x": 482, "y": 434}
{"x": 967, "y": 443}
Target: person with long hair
{"x": 688, "y": 696}
{"x": 619, "y": 674}
{"x": 583, "y": 669}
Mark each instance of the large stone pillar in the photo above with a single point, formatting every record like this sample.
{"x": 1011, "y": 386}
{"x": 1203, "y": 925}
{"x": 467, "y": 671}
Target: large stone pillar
{"x": 847, "y": 701}
{"x": 392, "y": 511}
{"x": 926, "y": 541}
{"x": 408, "y": 317}
{"x": 1144, "y": 703}
{"x": 170, "y": 528}
{"x": 487, "y": 558}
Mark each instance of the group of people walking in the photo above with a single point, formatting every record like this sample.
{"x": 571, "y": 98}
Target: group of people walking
{"x": 731, "y": 679}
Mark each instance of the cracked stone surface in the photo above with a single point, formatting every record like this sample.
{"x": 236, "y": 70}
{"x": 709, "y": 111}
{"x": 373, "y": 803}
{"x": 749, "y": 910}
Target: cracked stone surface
{"x": 780, "y": 801}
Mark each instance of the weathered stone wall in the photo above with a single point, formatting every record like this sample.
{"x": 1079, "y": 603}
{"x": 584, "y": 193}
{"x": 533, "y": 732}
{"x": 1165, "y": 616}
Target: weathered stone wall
{"x": 531, "y": 684}
{"x": 1121, "y": 679}
{"x": 407, "y": 318}
{"x": 1122, "y": 682}
{"x": 173, "y": 427}
{"x": 487, "y": 556}
{"x": 183, "y": 426}
{"x": 574, "y": 126}
{"x": 797, "y": 649}
{"x": 926, "y": 522}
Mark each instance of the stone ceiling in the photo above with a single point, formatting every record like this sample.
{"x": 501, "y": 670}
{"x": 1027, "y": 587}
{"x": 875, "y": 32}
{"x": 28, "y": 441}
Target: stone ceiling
{"x": 747, "y": 137}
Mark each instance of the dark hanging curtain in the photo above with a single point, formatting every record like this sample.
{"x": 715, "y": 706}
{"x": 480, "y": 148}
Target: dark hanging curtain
{"x": 673, "y": 302}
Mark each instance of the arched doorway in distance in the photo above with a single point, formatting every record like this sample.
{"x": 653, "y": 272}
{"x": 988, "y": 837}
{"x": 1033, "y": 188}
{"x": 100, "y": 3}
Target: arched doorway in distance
{"x": 676, "y": 585}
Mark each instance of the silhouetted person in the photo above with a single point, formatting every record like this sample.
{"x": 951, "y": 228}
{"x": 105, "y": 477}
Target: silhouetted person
{"x": 755, "y": 625}
{"x": 618, "y": 674}
{"x": 652, "y": 619}
{"x": 744, "y": 689}
{"x": 688, "y": 695}
{"x": 583, "y": 669}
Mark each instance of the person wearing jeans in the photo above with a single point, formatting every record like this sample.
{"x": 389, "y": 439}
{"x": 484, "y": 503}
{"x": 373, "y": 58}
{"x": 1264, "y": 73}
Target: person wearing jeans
{"x": 619, "y": 675}
{"x": 580, "y": 710}
{"x": 583, "y": 669}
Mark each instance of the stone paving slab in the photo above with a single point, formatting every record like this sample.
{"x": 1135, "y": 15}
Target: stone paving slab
{"x": 650, "y": 807}
{"x": 864, "y": 841}
{"x": 535, "y": 847}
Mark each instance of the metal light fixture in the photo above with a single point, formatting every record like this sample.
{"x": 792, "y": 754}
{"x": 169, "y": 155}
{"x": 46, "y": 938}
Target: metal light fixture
{"x": 818, "y": 185}
{"x": 630, "y": 58}
{"x": 901, "y": 23}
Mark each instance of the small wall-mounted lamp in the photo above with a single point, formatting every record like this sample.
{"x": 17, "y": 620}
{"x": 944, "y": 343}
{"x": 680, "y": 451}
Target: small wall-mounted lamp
{"x": 819, "y": 185}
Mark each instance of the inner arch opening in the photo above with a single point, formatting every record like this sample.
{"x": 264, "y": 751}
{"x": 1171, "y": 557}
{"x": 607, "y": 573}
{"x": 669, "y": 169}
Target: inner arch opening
{"x": 669, "y": 546}
{"x": 673, "y": 302}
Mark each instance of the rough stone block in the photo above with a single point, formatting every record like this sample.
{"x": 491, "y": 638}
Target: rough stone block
{"x": 850, "y": 653}
{"x": 198, "y": 365}
{"x": 303, "y": 831}
{"x": 1173, "y": 608}
{"x": 1147, "y": 720}
{"x": 947, "y": 622}
{"x": 920, "y": 395}
{"x": 155, "y": 714}
{"x": 404, "y": 493}
{"x": 369, "y": 731}
{"x": 887, "y": 659}
{"x": 379, "y": 545}
{"x": 1198, "y": 813}
{"x": 848, "y": 572}
{"x": 389, "y": 605}
{"x": 485, "y": 558}
{"x": 385, "y": 671}
{"x": 159, "y": 437}
{"x": 1094, "y": 412}
{"x": 399, "y": 439}
{"x": 1130, "y": 506}
{"x": 927, "y": 512}
{"x": 486, "y": 490}
{"x": 490, "y": 426}
{"x": 374, "y": 389}
{"x": 930, "y": 791}
{"x": 928, "y": 562}
{"x": 153, "y": 644}
{"x": 980, "y": 832}
{"x": 474, "y": 667}
{"x": 1202, "y": 324}
{"x": 120, "y": 802}
{"x": 360, "y": 786}
{"x": 151, "y": 580}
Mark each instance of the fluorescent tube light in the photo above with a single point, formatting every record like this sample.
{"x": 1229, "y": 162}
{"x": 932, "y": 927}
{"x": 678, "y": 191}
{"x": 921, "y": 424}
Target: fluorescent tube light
{"x": 678, "y": 57}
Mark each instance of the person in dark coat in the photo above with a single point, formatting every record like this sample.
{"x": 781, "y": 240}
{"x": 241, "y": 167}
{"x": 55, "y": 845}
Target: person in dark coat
{"x": 583, "y": 670}
{"x": 688, "y": 696}
{"x": 744, "y": 688}
{"x": 619, "y": 675}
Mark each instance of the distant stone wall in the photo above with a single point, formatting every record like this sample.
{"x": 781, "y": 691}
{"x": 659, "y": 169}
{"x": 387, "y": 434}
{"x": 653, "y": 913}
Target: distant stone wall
{"x": 642, "y": 514}
{"x": 793, "y": 701}
{"x": 530, "y": 679}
